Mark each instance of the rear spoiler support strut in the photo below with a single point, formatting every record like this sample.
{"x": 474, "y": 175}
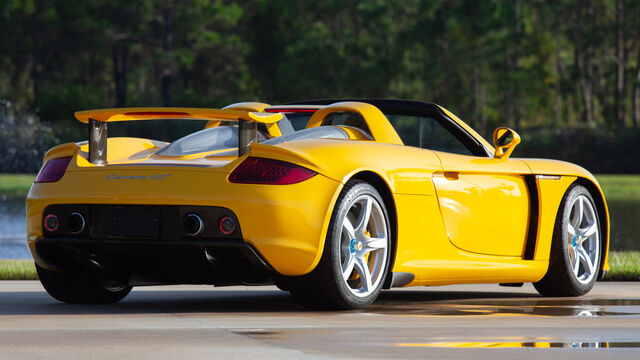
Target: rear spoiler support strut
{"x": 97, "y": 142}
{"x": 247, "y": 134}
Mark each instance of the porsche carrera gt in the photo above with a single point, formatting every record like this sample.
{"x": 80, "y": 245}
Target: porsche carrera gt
{"x": 331, "y": 200}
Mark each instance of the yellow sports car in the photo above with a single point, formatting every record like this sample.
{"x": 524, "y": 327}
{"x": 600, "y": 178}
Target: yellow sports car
{"x": 368, "y": 195}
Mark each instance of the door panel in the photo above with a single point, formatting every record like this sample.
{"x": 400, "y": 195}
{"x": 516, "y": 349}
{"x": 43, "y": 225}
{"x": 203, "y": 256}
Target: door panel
{"x": 484, "y": 204}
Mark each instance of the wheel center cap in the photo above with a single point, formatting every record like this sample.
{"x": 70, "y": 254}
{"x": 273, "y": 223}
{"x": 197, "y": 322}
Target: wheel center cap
{"x": 577, "y": 240}
{"x": 355, "y": 245}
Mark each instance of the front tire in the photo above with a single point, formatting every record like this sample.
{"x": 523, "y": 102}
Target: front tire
{"x": 78, "y": 287}
{"x": 576, "y": 247}
{"x": 356, "y": 254}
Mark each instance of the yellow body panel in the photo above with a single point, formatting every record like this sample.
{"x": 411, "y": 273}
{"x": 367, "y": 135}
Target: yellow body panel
{"x": 485, "y": 214}
{"x": 484, "y": 203}
{"x": 274, "y": 219}
{"x": 425, "y": 251}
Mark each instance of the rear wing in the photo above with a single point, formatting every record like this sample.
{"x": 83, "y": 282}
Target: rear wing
{"x": 98, "y": 119}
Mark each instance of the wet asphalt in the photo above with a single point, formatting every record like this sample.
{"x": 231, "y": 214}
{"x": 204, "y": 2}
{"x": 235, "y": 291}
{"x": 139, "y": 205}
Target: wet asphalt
{"x": 446, "y": 322}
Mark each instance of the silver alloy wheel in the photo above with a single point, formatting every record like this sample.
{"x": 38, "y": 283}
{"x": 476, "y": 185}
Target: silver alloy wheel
{"x": 363, "y": 246}
{"x": 583, "y": 240}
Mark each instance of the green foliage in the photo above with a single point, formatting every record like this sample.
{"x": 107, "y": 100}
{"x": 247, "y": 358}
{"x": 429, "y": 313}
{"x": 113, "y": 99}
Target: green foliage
{"x": 526, "y": 64}
{"x": 24, "y": 139}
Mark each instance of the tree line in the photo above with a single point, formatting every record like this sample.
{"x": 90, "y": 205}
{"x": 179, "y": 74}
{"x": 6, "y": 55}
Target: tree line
{"x": 528, "y": 64}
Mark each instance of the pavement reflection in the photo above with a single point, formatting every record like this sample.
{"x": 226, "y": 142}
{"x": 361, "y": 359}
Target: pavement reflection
{"x": 543, "y": 307}
{"x": 452, "y": 322}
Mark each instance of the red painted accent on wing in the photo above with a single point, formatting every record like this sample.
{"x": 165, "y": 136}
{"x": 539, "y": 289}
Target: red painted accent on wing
{"x": 287, "y": 110}
{"x": 153, "y": 113}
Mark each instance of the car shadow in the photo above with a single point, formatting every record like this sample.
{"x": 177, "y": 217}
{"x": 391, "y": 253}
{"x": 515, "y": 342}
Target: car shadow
{"x": 243, "y": 301}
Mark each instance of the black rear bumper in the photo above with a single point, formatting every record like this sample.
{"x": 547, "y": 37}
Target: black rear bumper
{"x": 150, "y": 261}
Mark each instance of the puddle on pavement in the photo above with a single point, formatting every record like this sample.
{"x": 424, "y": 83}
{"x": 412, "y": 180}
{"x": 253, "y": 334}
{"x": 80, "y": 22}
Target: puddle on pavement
{"x": 526, "y": 344}
{"x": 545, "y": 308}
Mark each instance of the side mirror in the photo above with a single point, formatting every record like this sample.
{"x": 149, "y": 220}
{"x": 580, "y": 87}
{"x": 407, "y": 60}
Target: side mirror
{"x": 505, "y": 140}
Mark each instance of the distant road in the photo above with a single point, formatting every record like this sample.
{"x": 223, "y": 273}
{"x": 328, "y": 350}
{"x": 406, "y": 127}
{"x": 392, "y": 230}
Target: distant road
{"x": 193, "y": 322}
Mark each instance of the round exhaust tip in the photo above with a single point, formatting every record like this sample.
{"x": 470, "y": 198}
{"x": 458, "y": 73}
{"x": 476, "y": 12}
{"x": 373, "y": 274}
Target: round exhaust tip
{"x": 227, "y": 225}
{"x": 76, "y": 223}
{"x": 193, "y": 224}
{"x": 51, "y": 222}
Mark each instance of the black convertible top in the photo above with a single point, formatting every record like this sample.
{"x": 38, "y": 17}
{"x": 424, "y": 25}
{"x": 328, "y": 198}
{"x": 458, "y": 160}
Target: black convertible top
{"x": 393, "y": 106}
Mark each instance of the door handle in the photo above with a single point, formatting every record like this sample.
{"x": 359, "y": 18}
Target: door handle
{"x": 451, "y": 175}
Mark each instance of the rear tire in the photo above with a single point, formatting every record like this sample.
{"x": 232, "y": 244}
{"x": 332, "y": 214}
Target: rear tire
{"x": 576, "y": 248}
{"x": 78, "y": 287}
{"x": 356, "y": 255}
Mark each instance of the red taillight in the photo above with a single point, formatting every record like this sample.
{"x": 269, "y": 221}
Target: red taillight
{"x": 268, "y": 171}
{"x": 53, "y": 170}
{"x": 289, "y": 110}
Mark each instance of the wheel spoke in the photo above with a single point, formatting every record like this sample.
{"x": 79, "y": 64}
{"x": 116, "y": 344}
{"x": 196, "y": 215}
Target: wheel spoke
{"x": 363, "y": 218}
{"x": 347, "y": 229}
{"x": 572, "y": 254}
{"x": 571, "y": 230}
{"x": 371, "y": 244}
{"x": 578, "y": 211}
{"x": 362, "y": 269}
{"x": 590, "y": 230}
{"x": 576, "y": 262}
{"x": 585, "y": 259}
{"x": 347, "y": 267}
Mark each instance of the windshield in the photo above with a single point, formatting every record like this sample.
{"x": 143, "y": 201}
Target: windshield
{"x": 207, "y": 140}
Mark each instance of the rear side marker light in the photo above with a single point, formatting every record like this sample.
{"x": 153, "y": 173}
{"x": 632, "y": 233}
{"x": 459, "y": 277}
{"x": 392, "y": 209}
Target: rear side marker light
{"x": 254, "y": 170}
{"x": 53, "y": 170}
{"x": 51, "y": 223}
{"x": 227, "y": 225}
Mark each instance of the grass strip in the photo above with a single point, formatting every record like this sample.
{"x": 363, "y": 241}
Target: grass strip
{"x": 17, "y": 270}
{"x": 15, "y": 185}
{"x": 620, "y": 187}
{"x": 625, "y": 266}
